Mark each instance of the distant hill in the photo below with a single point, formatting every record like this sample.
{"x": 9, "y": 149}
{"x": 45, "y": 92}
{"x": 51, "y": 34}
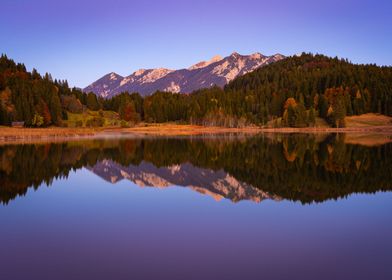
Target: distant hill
{"x": 218, "y": 71}
{"x": 332, "y": 87}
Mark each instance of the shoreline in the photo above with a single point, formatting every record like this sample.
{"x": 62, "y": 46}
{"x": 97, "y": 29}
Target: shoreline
{"x": 192, "y": 130}
{"x": 9, "y": 135}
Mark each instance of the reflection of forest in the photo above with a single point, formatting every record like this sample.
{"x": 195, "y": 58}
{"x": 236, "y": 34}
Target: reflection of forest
{"x": 297, "y": 167}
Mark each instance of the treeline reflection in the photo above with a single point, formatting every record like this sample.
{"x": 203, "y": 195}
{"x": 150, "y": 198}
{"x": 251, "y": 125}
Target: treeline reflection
{"x": 305, "y": 168}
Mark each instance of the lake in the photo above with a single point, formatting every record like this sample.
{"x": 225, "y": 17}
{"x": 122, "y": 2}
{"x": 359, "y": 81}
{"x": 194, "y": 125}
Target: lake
{"x": 203, "y": 207}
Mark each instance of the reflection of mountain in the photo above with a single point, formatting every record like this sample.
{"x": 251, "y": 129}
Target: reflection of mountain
{"x": 218, "y": 184}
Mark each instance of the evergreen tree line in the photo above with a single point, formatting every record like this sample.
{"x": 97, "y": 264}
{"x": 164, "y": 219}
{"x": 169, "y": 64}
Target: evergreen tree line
{"x": 294, "y": 91}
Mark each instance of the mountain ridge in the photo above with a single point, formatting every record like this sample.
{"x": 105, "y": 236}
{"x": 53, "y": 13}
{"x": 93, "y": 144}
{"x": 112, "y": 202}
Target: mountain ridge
{"x": 204, "y": 74}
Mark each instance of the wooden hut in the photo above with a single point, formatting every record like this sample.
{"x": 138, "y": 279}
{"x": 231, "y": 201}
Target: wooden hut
{"x": 17, "y": 124}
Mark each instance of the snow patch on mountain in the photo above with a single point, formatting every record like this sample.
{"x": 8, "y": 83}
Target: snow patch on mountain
{"x": 155, "y": 74}
{"x": 126, "y": 80}
{"x": 113, "y": 76}
{"x": 139, "y": 72}
{"x": 220, "y": 68}
{"x": 205, "y": 63}
{"x": 175, "y": 88}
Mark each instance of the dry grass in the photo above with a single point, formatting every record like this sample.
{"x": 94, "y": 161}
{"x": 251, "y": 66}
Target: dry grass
{"x": 366, "y": 123}
{"x": 109, "y": 118}
{"x": 181, "y": 129}
{"x": 10, "y": 134}
{"x": 367, "y": 120}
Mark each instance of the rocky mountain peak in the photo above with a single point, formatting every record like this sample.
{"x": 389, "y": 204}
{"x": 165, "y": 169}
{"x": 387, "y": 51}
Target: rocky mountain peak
{"x": 205, "y": 63}
{"x": 216, "y": 71}
{"x": 235, "y": 54}
{"x": 139, "y": 72}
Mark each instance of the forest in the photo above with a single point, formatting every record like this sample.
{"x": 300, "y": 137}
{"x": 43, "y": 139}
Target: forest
{"x": 293, "y": 92}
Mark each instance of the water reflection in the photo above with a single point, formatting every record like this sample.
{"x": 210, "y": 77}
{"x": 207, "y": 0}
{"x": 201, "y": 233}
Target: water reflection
{"x": 305, "y": 168}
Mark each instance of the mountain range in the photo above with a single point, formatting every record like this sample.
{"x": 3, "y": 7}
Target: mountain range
{"x": 217, "y": 71}
{"x": 215, "y": 183}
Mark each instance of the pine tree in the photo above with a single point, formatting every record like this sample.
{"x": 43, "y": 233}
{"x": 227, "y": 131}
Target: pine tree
{"x": 339, "y": 111}
{"x": 291, "y": 116}
{"x": 55, "y": 109}
{"x": 92, "y": 102}
{"x": 323, "y": 106}
{"x": 312, "y": 117}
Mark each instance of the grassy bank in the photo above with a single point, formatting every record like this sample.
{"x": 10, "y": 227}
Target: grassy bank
{"x": 9, "y": 134}
{"x": 170, "y": 129}
{"x": 92, "y": 118}
{"x": 368, "y": 120}
{"x": 364, "y": 124}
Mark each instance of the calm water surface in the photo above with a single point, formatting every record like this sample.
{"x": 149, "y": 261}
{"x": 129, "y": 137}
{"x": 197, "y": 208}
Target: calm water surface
{"x": 227, "y": 207}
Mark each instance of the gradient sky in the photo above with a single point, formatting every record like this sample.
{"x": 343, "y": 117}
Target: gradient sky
{"x": 81, "y": 40}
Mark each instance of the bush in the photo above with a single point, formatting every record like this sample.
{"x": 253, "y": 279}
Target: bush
{"x": 124, "y": 124}
{"x": 95, "y": 122}
{"x": 71, "y": 104}
{"x": 79, "y": 123}
{"x": 38, "y": 120}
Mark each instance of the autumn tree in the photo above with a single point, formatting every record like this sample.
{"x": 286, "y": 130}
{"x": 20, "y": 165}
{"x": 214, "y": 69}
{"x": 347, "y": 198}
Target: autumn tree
{"x": 128, "y": 112}
{"x": 42, "y": 110}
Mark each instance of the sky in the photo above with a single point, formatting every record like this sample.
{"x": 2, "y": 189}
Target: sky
{"x": 82, "y": 40}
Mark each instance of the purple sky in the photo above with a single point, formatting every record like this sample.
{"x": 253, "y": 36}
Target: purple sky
{"x": 83, "y": 40}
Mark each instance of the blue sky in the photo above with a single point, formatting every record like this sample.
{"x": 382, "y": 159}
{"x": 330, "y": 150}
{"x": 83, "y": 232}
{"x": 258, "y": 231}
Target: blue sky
{"x": 82, "y": 40}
